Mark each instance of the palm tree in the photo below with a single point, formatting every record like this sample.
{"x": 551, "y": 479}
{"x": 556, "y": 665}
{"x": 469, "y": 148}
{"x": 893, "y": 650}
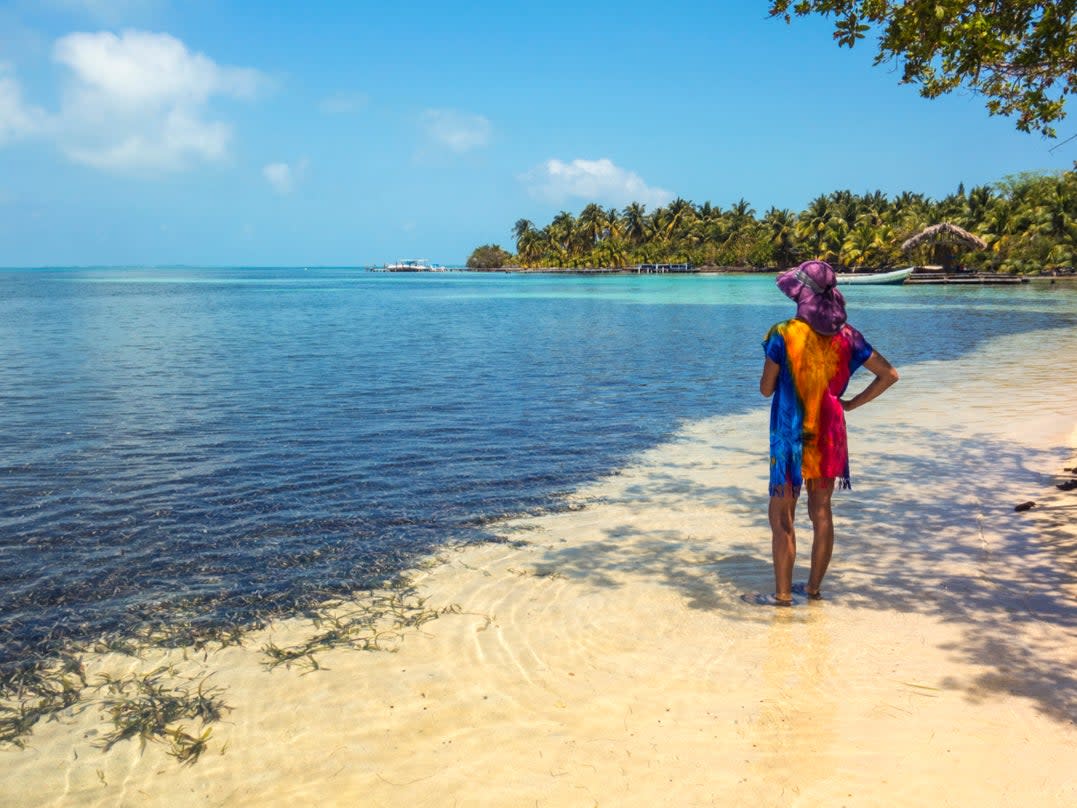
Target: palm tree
{"x": 812, "y": 225}
{"x": 520, "y": 231}
{"x": 635, "y": 222}
{"x": 832, "y": 239}
{"x": 952, "y": 208}
{"x": 531, "y": 245}
{"x": 875, "y": 201}
{"x": 978, "y": 203}
{"x": 867, "y": 244}
{"x": 560, "y": 233}
{"x": 907, "y": 199}
{"x": 996, "y": 228}
{"x": 658, "y": 224}
{"x": 781, "y": 230}
{"x": 1056, "y": 209}
{"x": 521, "y": 227}
{"x": 741, "y": 214}
{"x": 590, "y": 225}
{"x": 845, "y": 205}
{"x": 680, "y": 212}
{"x": 613, "y": 224}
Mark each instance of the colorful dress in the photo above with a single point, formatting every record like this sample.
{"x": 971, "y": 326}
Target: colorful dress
{"x": 807, "y": 421}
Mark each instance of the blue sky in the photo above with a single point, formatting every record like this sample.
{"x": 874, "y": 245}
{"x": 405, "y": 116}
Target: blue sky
{"x": 289, "y": 133}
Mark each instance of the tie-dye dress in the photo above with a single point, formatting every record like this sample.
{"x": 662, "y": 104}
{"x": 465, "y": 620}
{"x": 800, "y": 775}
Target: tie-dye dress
{"x": 807, "y": 422}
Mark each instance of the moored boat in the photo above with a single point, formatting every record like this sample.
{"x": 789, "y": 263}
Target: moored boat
{"x": 413, "y": 265}
{"x": 893, "y": 278}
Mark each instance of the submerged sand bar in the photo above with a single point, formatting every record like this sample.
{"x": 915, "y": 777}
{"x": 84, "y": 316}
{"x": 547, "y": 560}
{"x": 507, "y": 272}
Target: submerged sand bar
{"x": 603, "y": 657}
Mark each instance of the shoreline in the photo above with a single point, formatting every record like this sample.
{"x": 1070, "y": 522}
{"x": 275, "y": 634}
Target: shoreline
{"x": 727, "y": 271}
{"x": 739, "y": 271}
{"x": 601, "y": 655}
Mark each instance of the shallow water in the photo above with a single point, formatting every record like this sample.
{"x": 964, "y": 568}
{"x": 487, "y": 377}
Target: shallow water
{"x": 229, "y": 442}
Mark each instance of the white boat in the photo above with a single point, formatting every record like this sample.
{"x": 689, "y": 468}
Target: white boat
{"x": 876, "y": 278}
{"x": 414, "y": 265}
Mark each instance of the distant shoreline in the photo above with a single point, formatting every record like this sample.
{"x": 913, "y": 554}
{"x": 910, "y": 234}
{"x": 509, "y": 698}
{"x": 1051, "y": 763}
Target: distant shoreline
{"x": 626, "y": 271}
{"x": 1070, "y": 278}
{"x": 704, "y": 270}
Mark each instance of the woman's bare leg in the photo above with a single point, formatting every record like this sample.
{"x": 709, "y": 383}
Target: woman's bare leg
{"x": 822, "y": 520}
{"x": 784, "y": 541}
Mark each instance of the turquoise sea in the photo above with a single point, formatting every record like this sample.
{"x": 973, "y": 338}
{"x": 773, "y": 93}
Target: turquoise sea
{"x": 219, "y": 445}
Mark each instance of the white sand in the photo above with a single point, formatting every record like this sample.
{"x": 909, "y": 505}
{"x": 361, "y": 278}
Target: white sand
{"x": 604, "y": 657}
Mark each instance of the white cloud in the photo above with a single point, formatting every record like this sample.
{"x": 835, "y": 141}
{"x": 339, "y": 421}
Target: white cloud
{"x": 343, "y": 103}
{"x": 458, "y": 131}
{"x": 17, "y": 119}
{"x": 593, "y": 180}
{"x": 136, "y": 102}
{"x": 284, "y": 177}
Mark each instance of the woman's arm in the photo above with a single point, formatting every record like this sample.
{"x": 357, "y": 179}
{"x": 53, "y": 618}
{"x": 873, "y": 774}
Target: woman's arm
{"x": 769, "y": 380}
{"x": 885, "y": 375}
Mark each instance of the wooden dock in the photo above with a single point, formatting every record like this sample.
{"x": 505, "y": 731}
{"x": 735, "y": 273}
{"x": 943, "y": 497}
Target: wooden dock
{"x": 976, "y": 278}
{"x": 661, "y": 268}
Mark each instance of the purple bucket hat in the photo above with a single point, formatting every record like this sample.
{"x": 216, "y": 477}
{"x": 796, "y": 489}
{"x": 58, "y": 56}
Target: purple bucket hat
{"x": 814, "y": 287}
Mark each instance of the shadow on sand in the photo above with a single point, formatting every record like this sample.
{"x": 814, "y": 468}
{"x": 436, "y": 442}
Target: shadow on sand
{"x": 939, "y": 538}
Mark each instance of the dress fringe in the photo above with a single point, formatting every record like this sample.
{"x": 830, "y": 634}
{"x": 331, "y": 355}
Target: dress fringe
{"x": 779, "y": 490}
{"x": 843, "y": 483}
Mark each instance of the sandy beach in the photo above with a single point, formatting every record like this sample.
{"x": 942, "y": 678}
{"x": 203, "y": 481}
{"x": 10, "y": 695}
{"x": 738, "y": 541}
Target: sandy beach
{"x": 602, "y": 655}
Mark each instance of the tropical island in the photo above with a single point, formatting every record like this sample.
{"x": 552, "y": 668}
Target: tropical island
{"x": 1023, "y": 224}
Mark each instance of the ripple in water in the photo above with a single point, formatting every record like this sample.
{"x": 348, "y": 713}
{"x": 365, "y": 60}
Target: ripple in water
{"x": 223, "y": 444}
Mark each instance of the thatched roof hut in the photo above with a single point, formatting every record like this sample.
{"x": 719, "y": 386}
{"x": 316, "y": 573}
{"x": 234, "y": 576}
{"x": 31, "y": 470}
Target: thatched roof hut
{"x": 944, "y": 232}
{"x": 943, "y": 238}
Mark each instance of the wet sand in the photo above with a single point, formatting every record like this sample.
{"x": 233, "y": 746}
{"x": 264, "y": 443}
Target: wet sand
{"x": 602, "y": 656}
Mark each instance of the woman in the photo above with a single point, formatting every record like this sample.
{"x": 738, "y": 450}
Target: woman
{"x": 809, "y": 360}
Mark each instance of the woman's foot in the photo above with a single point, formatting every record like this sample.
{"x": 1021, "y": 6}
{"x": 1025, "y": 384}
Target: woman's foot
{"x": 763, "y": 599}
{"x": 802, "y": 589}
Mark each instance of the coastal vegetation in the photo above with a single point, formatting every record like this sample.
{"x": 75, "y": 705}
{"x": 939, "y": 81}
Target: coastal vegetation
{"x": 1019, "y": 56}
{"x": 1027, "y": 221}
{"x": 488, "y": 256}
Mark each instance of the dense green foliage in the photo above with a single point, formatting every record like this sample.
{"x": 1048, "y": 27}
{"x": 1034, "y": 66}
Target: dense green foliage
{"x": 1029, "y": 223}
{"x": 489, "y": 256}
{"x": 1020, "y": 55}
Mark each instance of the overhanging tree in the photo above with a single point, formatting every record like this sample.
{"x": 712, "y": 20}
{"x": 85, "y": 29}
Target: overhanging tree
{"x": 1020, "y": 55}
